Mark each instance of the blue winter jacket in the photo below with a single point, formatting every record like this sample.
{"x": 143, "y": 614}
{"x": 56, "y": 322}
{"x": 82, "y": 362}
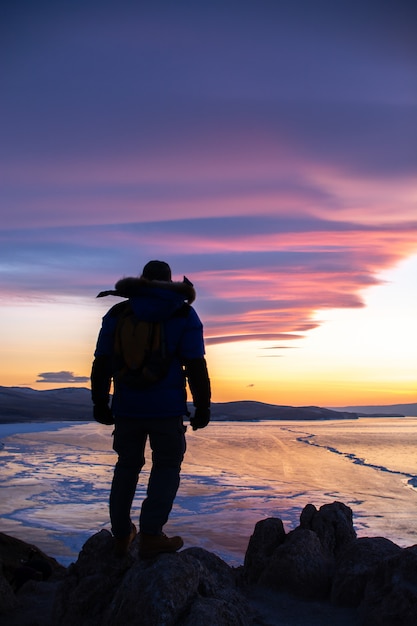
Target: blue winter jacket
{"x": 151, "y": 301}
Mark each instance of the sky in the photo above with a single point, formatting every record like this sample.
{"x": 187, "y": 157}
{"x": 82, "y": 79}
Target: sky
{"x": 266, "y": 150}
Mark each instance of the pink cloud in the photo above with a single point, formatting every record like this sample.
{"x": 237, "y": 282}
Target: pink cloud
{"x": 248, "y": 337}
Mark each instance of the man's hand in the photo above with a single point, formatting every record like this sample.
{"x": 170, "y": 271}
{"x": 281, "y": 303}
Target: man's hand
{"x": 102, "y": 414}
{"x": 201, "y": 418}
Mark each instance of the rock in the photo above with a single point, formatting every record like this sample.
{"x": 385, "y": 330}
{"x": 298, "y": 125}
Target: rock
{"x": 267, "y": 536}
{"x": 303, "y": 561}
{"x": 230, "y": 612}
{"x": 103, "y": 590}
{"x": 90, "y": 583}
{"x": 354, "y": 566}
{"x": 391, "y": 593}
{"x": 23, "y": 561}
{"x": 167, "y": 587}
{"x": 307, "y": 514}
{"x": 34, "y": 605}
{"x": 216, "y": 574}
{"x": 332, "y": 523}
{"x": 7, "y": 597}
{"x": 299, "y": 565}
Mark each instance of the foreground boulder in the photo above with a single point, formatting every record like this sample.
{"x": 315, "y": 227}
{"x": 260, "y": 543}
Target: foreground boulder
{"x": 180, "y": 588}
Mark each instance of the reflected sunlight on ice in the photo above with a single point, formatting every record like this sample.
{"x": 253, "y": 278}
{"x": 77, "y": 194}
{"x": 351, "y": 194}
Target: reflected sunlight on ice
{"x": 56, "y": 478}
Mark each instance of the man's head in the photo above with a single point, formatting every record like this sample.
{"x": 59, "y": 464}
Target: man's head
{"x": 157, "y": 270}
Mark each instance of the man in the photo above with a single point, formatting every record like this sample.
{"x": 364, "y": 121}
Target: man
{"x": 155, "y": 411}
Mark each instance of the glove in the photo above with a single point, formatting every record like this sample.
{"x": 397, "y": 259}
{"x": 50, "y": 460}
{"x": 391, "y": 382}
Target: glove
{"x": 103, "y": 415}
{"x": 201, "y": 418}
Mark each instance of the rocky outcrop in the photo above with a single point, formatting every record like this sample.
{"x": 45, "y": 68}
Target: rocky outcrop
{"x": 323, "y": 559}
{"x": 321, "y": 562}
{"x": 304, "y": 560}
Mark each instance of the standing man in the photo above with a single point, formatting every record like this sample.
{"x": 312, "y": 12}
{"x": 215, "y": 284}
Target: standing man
{"x": 151, "y": 409}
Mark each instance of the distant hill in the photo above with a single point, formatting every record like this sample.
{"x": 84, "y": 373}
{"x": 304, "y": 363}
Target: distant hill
{"x": 247, "y": 410}
{"x": 23, "y": 404}
{"x": 388, "y": 409}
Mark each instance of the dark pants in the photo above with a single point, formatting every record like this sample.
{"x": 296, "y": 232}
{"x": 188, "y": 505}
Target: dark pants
{"x": 167, "y": 441}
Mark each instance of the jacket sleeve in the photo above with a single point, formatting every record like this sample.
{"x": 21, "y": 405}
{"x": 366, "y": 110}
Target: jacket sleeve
{"x": 199, "y": 382}
{"x": 101, "y": 372}
{"x": 101, "y": 376}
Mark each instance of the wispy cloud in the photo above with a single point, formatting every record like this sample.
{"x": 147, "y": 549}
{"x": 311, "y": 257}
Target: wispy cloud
{"x": 61, "y": 377}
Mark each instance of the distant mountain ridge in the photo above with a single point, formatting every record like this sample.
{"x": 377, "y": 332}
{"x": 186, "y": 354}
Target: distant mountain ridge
{"x": 388, "y": 409}
{"x": 23, "y": 404}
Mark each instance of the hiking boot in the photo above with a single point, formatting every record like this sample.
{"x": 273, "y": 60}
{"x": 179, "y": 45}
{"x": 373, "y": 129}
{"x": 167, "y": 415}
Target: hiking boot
{"x": 152, "y": 545}
{"x": 121, "y": 544}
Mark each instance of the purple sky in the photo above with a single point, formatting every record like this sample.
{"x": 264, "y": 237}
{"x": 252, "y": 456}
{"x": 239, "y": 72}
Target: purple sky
{"x": 265, "y": 149}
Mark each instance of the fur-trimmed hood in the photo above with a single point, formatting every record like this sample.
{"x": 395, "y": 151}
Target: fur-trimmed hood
{"x": 131, "y": 287}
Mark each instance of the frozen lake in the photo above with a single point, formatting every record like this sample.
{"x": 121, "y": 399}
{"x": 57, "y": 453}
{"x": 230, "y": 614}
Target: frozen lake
{"x": 55, "y": 480}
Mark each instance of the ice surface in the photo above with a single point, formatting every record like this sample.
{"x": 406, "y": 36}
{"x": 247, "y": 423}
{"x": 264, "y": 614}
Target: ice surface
{"x": 56, "y": 477}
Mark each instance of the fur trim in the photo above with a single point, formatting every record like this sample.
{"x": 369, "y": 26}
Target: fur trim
{"x": 131, "y": 286}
